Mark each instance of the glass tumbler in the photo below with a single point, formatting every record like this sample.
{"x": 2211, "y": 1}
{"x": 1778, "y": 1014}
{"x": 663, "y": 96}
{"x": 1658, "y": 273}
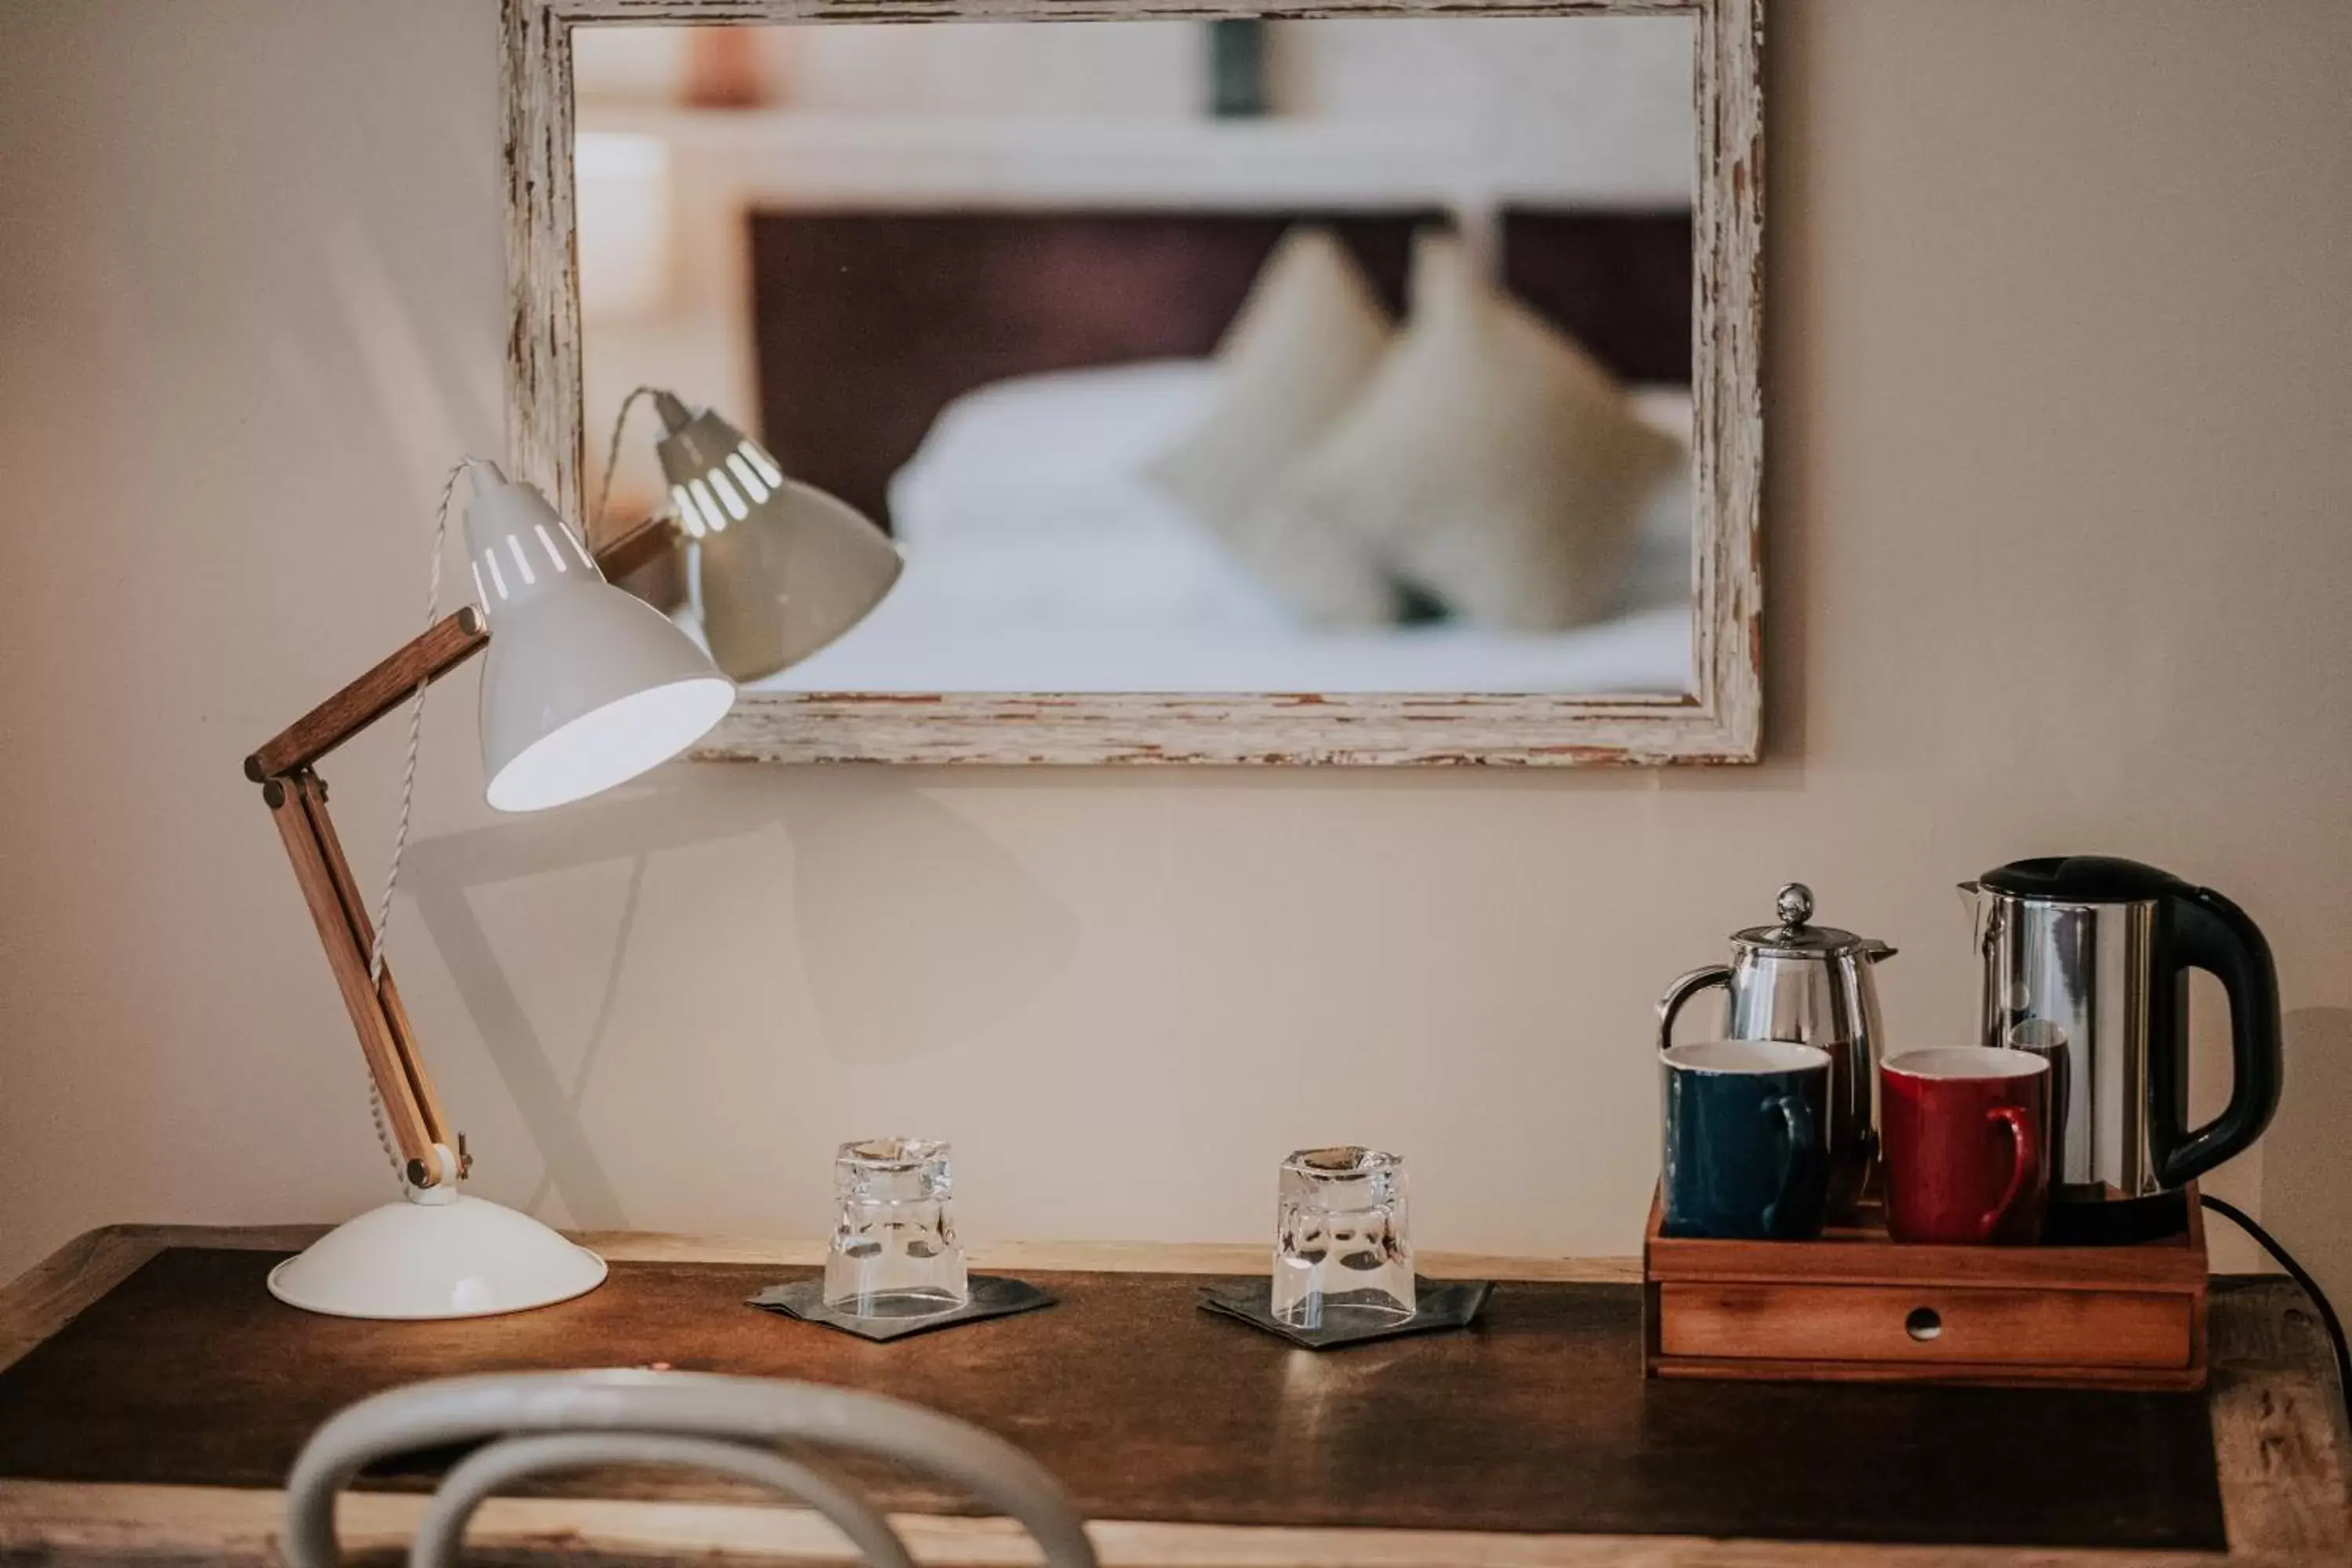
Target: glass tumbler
{"x": 1342, "y": 1243}
{"x": 894, "y": 1252}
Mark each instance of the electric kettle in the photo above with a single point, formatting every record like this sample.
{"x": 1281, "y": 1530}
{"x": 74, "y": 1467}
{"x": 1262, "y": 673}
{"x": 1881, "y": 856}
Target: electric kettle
{"x": 1813, "y": 985}
{"x": 2087, "y": 961}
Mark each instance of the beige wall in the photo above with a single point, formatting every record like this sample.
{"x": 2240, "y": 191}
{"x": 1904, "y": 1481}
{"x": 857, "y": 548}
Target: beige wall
{"x": 2060, "y": 534}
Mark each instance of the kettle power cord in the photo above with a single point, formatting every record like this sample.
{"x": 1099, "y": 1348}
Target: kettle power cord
{"x": 2310, "y": 1288}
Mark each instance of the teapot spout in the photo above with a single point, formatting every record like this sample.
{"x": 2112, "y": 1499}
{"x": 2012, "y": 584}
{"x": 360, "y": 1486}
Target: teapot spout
{"x": 1974, "y": 903}
{"x": 1879, "y": 952}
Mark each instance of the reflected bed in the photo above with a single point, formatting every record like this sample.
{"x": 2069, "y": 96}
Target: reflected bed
{"x": 1040, "y": 558}
{"x": 1008, "y": 455}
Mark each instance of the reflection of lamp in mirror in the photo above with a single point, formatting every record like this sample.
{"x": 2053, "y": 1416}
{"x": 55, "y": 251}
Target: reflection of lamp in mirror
{"x": 782, "y": 567}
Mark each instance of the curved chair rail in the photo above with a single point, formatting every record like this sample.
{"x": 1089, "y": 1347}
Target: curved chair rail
{"x": 563, "y": 1420}
{"x": 490, "y": 1469}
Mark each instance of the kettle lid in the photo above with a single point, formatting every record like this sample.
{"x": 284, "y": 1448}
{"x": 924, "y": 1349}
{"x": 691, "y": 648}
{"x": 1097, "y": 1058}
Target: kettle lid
{"x": 2081, "y": 880}
{"x": 1795, "y": 938}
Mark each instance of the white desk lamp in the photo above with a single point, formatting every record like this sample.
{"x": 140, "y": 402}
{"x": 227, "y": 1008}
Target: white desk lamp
{"x": 586, "y": 688}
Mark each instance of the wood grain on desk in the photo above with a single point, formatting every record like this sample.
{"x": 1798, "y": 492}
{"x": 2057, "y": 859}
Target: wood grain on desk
{"x": 2275, "y": 1429}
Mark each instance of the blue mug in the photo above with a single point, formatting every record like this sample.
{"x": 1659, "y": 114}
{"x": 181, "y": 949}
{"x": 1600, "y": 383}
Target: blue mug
{"x": 1746, "y": 1151}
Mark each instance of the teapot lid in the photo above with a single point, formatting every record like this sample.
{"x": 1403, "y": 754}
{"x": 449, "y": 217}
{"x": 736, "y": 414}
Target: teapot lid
{"x": 2081, "y": 880}
{"x": 1793, "y": 937}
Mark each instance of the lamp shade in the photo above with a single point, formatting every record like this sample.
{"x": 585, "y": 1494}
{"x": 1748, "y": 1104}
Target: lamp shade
{"x": 586, "y": 687}
{"x": 783, "y": 568}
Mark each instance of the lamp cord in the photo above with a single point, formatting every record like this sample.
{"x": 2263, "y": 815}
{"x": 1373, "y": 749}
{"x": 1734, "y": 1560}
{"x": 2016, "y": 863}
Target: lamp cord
{"x": 612, "y": 455}
{"x": 2310, "y": 1286}
{"x": 383, "y": 922}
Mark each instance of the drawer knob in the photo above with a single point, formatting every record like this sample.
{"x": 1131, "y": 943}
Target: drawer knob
{"x": 1924, "y": 1323}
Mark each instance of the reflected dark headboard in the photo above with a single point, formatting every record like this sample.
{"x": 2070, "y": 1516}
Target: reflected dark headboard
{"x": 868, "y": 323}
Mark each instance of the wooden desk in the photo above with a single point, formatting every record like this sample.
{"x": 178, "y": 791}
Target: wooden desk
{"x": 2277, "y": 1429}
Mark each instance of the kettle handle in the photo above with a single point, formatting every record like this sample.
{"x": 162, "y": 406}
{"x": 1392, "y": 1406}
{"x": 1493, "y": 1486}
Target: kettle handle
{"x": 2211, "y": 933}
{"x": 1683, "y": 988}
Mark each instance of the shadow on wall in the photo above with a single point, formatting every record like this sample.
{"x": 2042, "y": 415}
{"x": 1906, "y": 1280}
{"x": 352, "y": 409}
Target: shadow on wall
{"x": 2306, "y": 1203}
{"x": 930, "y": 932}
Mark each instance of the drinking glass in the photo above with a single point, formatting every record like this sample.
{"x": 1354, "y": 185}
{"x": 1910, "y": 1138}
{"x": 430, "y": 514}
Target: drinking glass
{"x": 894, "y": 1252}
{"x": 1342, "y": 1242}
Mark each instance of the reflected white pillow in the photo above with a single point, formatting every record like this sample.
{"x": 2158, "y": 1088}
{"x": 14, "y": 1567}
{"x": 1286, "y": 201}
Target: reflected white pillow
{"x": 1065, "y": 449}
{"x": 1491, "y": 462}
{"x": 1291, "y": 364}
{"x": 1025, "y": 505}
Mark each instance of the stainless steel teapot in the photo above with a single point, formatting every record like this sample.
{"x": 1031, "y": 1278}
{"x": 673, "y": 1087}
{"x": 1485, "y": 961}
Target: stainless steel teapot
{"x": 2086, "y": 962}
{"x": 1811, "y": 983}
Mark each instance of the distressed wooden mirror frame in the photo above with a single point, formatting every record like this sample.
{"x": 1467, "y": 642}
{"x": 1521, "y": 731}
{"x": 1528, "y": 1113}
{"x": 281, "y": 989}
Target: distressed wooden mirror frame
{"x": 1719, "y": 722}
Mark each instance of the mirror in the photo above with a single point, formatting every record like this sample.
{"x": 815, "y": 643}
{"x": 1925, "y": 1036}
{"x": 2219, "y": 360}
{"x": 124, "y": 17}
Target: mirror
{"x": 1378, "y": 388}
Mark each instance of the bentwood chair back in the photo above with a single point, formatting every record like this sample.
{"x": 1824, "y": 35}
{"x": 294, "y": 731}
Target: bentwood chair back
{"x": 541, "y": 1422}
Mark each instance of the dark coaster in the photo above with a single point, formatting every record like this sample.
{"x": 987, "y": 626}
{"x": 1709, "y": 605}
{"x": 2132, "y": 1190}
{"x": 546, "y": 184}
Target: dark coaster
{"x": 1437, "y": 1304}
{"x": 991, "y": 1297}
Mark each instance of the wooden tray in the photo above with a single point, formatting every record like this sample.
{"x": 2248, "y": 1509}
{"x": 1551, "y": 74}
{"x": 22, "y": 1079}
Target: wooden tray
{"x": 1858, "y": 1306}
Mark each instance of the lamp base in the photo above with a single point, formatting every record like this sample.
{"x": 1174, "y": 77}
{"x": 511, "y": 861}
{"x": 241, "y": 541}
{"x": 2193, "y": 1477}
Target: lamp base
{"x": 460, "y": 1258}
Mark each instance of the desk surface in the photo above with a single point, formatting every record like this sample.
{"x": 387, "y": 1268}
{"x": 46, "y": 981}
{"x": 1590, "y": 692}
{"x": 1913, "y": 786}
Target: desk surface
{"x": 2275, "y": 1431}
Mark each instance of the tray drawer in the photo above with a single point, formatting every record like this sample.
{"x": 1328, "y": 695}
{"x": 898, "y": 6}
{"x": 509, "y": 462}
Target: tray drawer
{"x": 1926, "y": 1324}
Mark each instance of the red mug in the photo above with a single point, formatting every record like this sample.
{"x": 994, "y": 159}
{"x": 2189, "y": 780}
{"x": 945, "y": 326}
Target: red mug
{"x": 1965, "y": 1133}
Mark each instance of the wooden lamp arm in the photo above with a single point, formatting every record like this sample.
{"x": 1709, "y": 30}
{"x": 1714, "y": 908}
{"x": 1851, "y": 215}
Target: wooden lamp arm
{"x": 640, "y": 547}
{"x": 446, "y": 644}
{"x": 412, "y": 1111}
{"x": 296, "y": 798}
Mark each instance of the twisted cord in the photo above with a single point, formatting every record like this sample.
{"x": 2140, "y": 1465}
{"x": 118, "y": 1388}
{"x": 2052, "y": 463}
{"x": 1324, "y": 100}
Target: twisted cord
{"x": 613, "y": 457}
{"x": 383, "y": 922}
{"x": 416, "y": 732}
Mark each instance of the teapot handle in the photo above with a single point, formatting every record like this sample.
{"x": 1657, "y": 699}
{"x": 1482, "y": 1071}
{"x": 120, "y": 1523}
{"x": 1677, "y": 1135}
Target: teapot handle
{"x": 2211, "y": 933}
{"x": 1683, "y": 988}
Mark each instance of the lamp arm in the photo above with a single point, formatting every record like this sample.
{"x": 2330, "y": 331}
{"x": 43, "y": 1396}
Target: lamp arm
{"x": 440, "y": 649}
{"x": 640, "y": 547}
{"x": 412, "y": 1111}
{"x": 296, "y": 798}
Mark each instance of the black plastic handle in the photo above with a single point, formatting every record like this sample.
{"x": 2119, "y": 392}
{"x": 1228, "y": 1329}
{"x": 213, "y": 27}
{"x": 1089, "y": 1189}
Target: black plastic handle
{"x": 2211, "y": 933}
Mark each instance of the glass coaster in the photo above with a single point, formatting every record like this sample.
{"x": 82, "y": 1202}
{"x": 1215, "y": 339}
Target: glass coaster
{"x": 992, "y": 1296}
{"x": 1437, "y": 1304}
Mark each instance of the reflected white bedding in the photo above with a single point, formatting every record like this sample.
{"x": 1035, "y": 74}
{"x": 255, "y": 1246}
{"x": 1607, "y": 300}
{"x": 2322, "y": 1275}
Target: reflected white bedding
{"x": 1038, "y": 559}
